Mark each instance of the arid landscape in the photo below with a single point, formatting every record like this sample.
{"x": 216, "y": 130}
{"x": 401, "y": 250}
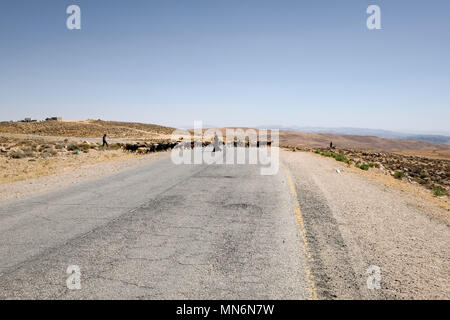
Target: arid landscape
{"x": 30, "y": 150}
{"x": 35, "y": 149}
{"x": 322, "y": 140}
{"x": 339, "y": 187}
{"x": 86, "y": 129}
{"x": 225, "y": 155}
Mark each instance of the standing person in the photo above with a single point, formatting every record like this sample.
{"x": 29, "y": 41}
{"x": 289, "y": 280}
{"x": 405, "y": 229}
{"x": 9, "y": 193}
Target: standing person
{"x": 216, "y": 143}
{"x": 104, "y": 141}
{"x": 331, "y": 145}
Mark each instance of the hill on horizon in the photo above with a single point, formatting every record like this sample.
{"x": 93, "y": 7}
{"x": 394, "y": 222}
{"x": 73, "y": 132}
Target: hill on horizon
{"x": 388, "y": 134}
{"x": 142, "y": 131}
{"x": 86, "y": 129}
{"x": 405, "y": 147}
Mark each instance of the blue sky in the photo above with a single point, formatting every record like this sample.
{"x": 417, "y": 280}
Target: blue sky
{"x": 229, "y": 62}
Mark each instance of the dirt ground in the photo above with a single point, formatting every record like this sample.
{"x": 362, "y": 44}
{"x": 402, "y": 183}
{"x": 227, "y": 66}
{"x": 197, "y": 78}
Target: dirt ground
{"x": 322, "y": 140}
{"x": 432, "y": 154}
{"x": 356, "y": 219}
{"x": 22, "y": 177}
{"x": 86, "y": 129}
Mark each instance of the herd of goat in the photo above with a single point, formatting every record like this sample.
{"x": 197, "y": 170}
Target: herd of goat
{"x": 145, "y": 147}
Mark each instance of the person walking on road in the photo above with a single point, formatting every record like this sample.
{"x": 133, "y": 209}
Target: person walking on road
{"x": 216, "y": 143}
{"x": 105, "y": 143}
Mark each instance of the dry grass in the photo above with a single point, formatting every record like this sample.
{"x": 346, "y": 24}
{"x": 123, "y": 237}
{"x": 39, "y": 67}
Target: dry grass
{"x": 45, "y": 148}
{"x": 86, "y": 129}
{"x": 21, "y": 169}
{"x": 28, "y": 158}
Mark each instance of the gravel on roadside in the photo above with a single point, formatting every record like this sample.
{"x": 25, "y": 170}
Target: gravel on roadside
{"x": 354, "y": 223}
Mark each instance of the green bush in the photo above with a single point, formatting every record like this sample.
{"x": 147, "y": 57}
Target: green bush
{"x": 336, "y": 156}
{"x": 364, "y": 167}
{"x": 398, "y": 174}
{"x": 439, "y": 192}
{"x": 341, "y": 158}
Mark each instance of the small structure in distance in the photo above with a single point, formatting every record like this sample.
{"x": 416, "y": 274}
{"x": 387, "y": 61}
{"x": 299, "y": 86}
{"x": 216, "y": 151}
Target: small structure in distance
{"x": 27, "y": 120}
{"x": 53, "y": 119}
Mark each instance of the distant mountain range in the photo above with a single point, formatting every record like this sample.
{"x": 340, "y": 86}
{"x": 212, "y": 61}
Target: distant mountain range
{"x": 444, "y": 139}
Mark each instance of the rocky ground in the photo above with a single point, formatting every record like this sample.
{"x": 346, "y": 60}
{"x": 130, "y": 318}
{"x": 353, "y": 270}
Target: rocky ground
{"x": 31, "y": 158}
{"x": 433, "y": 174}
{"x": 354, "y": 222}
{"x": 33, "y": 148}
{"x": 86, "y": 128}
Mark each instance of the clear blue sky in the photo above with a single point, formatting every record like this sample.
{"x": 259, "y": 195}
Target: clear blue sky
{"x": 229, "y": 62}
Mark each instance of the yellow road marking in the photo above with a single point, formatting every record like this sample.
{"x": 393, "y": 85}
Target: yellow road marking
{"x": 302, "y": 230}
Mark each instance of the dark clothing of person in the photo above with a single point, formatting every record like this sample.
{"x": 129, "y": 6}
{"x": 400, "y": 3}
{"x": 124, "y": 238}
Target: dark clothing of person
{"x": 104, "y": 141}
{"x": 216, "y": 143}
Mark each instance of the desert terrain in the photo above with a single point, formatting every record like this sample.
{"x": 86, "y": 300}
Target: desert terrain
{"x": 87, "y": 129}
{"x": 322, "y": 140}
{"x": 356, "y": 218}
{"x": 29, "y": 150}
{"x": 40, "y": 156}
{"x": 325, "y": 218}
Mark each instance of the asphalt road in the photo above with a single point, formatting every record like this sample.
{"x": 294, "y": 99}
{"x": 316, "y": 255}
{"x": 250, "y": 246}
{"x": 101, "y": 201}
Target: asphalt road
{"x": 160, "y": 231}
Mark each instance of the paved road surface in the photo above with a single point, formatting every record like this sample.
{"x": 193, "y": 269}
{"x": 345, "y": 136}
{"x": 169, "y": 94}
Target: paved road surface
{"x": 160, "y": 231}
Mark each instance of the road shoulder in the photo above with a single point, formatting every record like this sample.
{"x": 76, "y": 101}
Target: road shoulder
{"x": 354, "y": 223}
{"x": 60, "y": 173}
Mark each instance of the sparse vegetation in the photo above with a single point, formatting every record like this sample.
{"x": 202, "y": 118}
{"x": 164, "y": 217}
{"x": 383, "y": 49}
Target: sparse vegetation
{"x": 29, "y": 154}
{"x": 363, "y": 166}
{"x": 341, "y": 158}
{"x": 428, "y": 172}
{"x": 72, "y": 147}
{"x": 88, "y": 129}
{"x": 399, "y": 174}
{"x": 17, "y": 155}
{"x": 439, "y": 192}
{"x": 337, "y": 156}
{"x": 26, "y": 158}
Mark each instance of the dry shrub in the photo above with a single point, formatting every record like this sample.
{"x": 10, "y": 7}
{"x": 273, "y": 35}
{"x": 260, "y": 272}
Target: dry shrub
{"x": 59, "y": 146}
{"x": 17, "y": 155}
{"x": 115, "y": 146}
{"x": 72, "y": 147}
